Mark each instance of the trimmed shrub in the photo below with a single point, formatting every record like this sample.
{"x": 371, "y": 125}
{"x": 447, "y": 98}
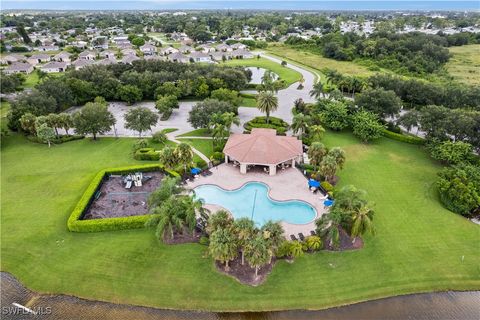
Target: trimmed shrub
{"x": 159, "y": 137}
{"x": 403, "y": 138}
{"x": 60, "y": 139}
{"x": 139, "y": 144}
{"x": 202, "y": 164}
{"x": 75, "y": 223}
{"x": 218, "y": 156}
{"x": 148, "y": 154}
{"x": 261, "y": 122}
{"x": 326, "y": 186}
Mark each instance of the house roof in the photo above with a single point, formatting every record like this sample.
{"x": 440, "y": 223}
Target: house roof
{"x": 262, "y": 146}
{"x": 62, "y": 54}
{"x": 55, "y": 65}
{"x": 86, "y": 53}
{"x": 19, "y": 66}
{"x": 82, "y": 63}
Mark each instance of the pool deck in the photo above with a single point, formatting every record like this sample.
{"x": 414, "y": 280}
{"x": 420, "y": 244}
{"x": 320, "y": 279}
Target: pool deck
{"x": 288, "y": 184}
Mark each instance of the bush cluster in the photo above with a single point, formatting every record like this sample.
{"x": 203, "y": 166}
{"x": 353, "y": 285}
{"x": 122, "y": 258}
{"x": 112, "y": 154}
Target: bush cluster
{"x": 58, "y": 140}
{"x": 148, "y": 154}
{"x": 403, "y": 138}
{"x": 261, "y": 122}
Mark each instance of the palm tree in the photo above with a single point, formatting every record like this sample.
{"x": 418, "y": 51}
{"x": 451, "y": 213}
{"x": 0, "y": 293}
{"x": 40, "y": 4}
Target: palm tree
{"x": 316, "y": 152}
{"x": 362, "y": 222}
{"x": 329, "y": 225}
{"x": 168, "y": 157}
{"x": 274, "y": 234}
{"x": 267, "y": 79}
{"x": 244, "y": 228}
{"x": 267, "y": 102}
{"x": 328, "y": 167}
{"x": 229, "y": 118}
{"x": 317, "y": 90}
{"x": 192, "y": 206}
{"x": 316, "y": 131}
{"x": 223, "y": 246}
{"x": 300, "y": 124}
{"x": 339, "y": 155}
{"x": 167, "y": 218}
{"x": 219, "y": 220}
{"x": 350, "y": 199}
{"x": 257, "y": 252}
{"x": 169, "y": 187}
{"x": 313, "y": 243}
{"x": 184, "y": 154}
{"x": 219, "y": 133}
{"x": 296, "y": 249}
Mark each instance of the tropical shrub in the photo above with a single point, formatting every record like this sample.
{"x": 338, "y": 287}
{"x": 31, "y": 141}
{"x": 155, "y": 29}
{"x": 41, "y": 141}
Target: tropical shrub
{"x": 146, "y": 154}
{"x": 261, "y": 122}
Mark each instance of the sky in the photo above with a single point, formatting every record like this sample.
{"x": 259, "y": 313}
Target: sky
{"x": 244, "y": 4}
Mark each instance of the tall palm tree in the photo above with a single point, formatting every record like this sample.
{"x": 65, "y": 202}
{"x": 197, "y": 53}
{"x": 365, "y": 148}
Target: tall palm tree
{"x": 219, "y": 133}
{"x": 274, "y": 234}
{"x": 168, "y": 157}
{"x": 317, "y": 90}
{"x": 350, "y": 199}
{"x": 267, "y": 103}
{"x": 219, "y": 220}
{"x": 362, "y": 222}
{"x": 244, "y": 228}
{"x": 329, "y": 225}
{"x": 223, "y": 246}
{"x": 316, "y": 152}
{"x": 229, "y": 119}
{"x": 169, "y": 187}
{"x": 192, "y": 206}
{"x": 167, "y": 218}
{"x": 316, "y": 131}
{"x": 300, "y": 124}
{"x": 328, "y": 167}
{"x": 184, "y": 154}
{"x": 257, "y": 253}
{"x": 339, "y": 155}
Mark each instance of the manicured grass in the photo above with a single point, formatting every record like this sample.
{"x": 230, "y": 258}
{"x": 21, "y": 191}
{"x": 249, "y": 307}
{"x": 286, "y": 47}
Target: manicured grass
{"x": 32, "y": 80}
{"x": 464, "y": 65}
{"x": 248, "y": 102}
{"x": 4, "y": 109}
{"x": 317, "y": 62}
{"x": 205, "y": 146}
{"x": 197, "y": 133}
{"x": 419, "y": 246}
{"x": 168, "y": 130}
{"x": 289, "y": 75}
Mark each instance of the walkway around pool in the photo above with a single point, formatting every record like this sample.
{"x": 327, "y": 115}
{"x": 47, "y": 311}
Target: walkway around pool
{"x": 288, "y": 184}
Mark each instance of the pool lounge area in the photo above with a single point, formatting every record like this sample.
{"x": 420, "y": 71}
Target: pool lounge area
{"x": 286, "y": 194}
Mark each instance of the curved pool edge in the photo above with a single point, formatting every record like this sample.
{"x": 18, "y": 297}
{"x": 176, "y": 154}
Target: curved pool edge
{"x": 269, "y": 189}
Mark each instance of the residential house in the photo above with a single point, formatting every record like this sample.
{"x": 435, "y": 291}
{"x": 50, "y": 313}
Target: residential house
{"x": 206, "y": 48}
{"x": 80, "y": 44}
{"x": 219, "y": 55}
{"x": 242, "y": 54}
{"x": 12, "y": 58}
{"x": 200, "y": 57}
{"x": 106, "y": 61}
{"x": 128, "y": 52}
{"x": 87, "y": 55}
{"x": 48, "y": 48}
{"x": 148, "y": 49}
{"x": 124, "y": 45}
{"x": 54, "y": 66}
{"x": 178, "y": 57}
{"x": 155, "y": 57}
{"x": 107, "y": 54}
{"x": 100, "y": 43}
{"x": 19, "y": 67}
{"x": 63, "y": 57}
{"x": 186, "y": 49}
{"x": 128, "y": 59}
{"x": 81, "y": 63}
{"x": 38, "y": 58}
{"x": 223, "y": 47}
{"x": 168, "y": 50}
{"x": 238, "y": 46}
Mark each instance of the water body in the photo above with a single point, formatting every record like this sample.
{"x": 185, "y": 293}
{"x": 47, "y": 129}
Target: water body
{"x": 428, "y": 306}
{"x": 245, "y": 5}
{"x": 257, "y": 74}
{"x": 252, "y": 201}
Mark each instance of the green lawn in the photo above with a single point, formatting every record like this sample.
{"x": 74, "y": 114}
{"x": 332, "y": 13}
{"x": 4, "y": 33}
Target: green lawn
{"x": 205, "y": 146}
{"x": 317, "y": 62}
{"x": 289, "y": 75}
{"x": 464, "y": 65}
{"x": 32, "y": 80}
{"x": 202, "y": 132}
{"x": 419, "y": 245}
{"x": 248, "y": 102}
{"x": 4, "y": 109}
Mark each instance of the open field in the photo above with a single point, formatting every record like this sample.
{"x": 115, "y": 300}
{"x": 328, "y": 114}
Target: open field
{"x": 419, "y": 246}
{"x": 31, "y": 80}
{"x": 285, "y": 73}
{"x": 464, "y": 65}
{"x": 317, "y": 62}
{"x": 205, "y": 146}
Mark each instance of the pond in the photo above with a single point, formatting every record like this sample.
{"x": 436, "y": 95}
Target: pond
{"x": 257, "y": 74}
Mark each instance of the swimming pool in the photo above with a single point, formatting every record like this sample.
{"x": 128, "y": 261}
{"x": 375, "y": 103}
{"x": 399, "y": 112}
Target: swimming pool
{"x": 252, "y": 201}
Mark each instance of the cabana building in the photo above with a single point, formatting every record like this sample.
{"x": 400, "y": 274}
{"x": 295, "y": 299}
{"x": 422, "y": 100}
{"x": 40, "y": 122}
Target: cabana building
{"x": 262, "y": 147}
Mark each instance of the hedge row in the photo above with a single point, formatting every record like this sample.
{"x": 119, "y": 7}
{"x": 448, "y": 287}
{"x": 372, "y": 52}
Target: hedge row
{"x": 403, "y": 138}
{"x": 60, "y": 139}
{"x": 75, "y": 223}
{"x": 146, "y": 154}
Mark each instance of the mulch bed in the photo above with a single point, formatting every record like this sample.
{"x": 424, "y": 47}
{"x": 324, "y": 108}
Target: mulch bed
{"x": 244, "y": 274}
{"x": 345, "y": 243}
{"x": 131, "y": 203}
{"x": 186, "y": 237}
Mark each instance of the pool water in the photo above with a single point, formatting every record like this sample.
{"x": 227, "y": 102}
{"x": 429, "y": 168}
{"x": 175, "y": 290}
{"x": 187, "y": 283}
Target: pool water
{"x": 252, "y": 201}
